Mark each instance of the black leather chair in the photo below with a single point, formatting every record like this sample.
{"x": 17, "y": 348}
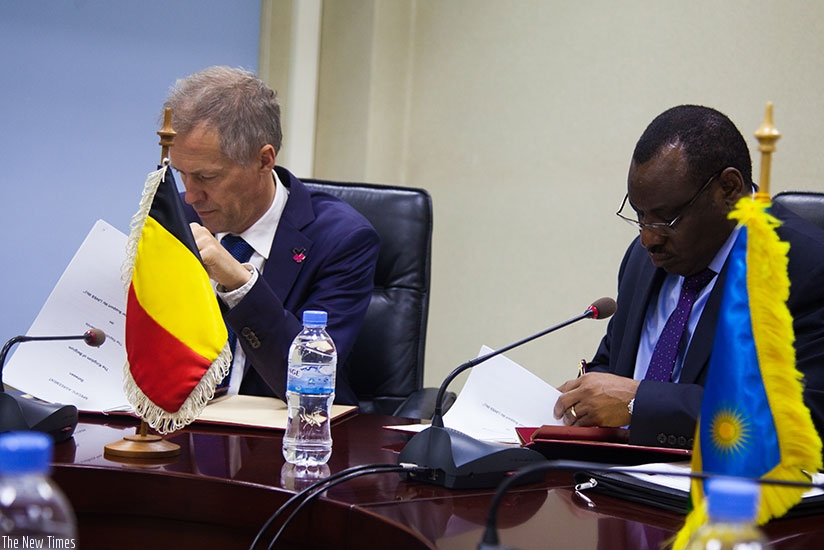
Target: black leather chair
{"x": 807, "y": 204}
{"x": 386, "y": 363}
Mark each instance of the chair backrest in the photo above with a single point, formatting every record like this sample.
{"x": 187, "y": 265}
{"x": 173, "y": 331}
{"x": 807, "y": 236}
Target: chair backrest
{"x": 386, "y": 364}
{"x": 807, "y": 204}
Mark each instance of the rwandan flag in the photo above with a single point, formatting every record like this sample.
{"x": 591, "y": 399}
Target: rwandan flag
{"x": 753, "y": 420}
{"x": 175, "y": 335}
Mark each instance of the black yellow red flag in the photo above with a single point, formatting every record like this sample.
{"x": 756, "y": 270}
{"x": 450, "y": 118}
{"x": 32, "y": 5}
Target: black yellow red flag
{"x": 175, "y": 335}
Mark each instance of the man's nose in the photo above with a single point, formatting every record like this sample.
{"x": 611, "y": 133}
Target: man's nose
{"x": 651, "y": 238}
{"x": 192, "y": 193}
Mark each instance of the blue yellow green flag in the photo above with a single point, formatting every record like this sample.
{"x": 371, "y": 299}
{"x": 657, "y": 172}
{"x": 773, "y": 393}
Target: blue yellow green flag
{"x": 753, "y": 421}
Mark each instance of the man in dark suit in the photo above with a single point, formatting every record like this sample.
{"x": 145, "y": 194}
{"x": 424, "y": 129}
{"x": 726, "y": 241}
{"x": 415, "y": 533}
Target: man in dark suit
{"x": 688, "y": 170}
{"x": 303, "y": 250}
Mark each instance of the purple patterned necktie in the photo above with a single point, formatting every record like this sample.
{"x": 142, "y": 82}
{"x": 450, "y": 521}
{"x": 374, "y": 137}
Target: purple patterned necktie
{"x": 666, "y": 350}
{"x": 241, "y": 251}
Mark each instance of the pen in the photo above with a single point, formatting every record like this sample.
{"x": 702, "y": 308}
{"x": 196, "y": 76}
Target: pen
{"x": 582, "y": 368}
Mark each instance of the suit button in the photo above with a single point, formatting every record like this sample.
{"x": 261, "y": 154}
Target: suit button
{"x": 691, "y": 442}
{"x": 672, "y": 440}
{"x": 682, "y": 441}
{"x": 662, "y": 438}
{"x": 251, "y": 337}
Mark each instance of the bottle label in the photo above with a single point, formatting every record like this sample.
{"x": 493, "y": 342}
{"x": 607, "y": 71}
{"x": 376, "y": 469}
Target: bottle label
{"x": 311, "y": 378}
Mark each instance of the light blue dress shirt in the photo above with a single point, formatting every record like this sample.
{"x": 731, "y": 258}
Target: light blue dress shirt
{"x": 662, "y": 306}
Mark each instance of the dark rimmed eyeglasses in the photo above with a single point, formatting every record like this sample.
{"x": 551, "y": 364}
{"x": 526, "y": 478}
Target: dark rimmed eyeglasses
{"x": 664, "y": 228}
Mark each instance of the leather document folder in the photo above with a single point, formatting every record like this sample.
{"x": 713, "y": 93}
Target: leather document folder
{"x": 609, "y": 445}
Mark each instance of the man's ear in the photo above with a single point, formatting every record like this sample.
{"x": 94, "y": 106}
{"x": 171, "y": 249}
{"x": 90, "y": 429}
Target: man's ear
{"x": 732, "y": 185}
{"x": 266, "y": 158}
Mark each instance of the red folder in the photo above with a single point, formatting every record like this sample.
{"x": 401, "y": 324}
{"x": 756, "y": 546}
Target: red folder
{"x": 610, "y": 445}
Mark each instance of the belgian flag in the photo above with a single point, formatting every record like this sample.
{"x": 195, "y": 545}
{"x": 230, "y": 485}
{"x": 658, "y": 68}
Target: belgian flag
{"x": 176, "y": 339}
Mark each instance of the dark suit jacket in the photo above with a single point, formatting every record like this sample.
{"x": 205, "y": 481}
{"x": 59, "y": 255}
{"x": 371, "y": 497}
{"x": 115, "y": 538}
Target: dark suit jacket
{"x": 665, "y": 413}
{"x": 337, "y": 274}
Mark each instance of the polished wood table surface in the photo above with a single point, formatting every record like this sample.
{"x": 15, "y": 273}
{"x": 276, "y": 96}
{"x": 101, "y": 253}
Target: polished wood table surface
{"x": 227, "y": 482}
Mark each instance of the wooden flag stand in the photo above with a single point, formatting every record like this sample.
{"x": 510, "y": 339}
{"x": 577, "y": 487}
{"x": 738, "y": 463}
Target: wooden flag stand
{"x": 143, "y": 445}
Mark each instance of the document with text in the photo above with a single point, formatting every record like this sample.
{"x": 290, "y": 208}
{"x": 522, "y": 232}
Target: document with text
{"x": 89, "y": 294}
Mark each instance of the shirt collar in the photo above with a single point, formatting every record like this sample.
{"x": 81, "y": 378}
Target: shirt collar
{"x": 717, "y": 263}
{"x": 261, "y": 233}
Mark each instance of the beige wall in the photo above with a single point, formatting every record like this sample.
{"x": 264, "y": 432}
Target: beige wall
{"x": 520, "y": 117}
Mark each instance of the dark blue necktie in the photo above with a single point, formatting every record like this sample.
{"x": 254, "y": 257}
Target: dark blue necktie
{"x": 666, "y": 350}
{"x": 237, "y": 247}
{"x": 241, "y": 251}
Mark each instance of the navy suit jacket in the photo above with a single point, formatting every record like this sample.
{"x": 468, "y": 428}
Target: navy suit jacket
{"x": 336, "y": 276}
{"x": 665, "y": 413}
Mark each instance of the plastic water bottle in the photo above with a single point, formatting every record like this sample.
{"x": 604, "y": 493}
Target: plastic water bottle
{"x": 34, "y": 512}
{"x": 732, "y": 505}
{"x": 310, "y": 391}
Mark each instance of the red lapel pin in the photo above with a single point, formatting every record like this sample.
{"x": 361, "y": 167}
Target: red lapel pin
{"x": 298, "y": 255}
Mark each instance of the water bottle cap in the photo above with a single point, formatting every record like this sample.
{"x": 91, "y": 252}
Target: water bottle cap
{"x": 314, "y": 318}
{"x": 25, "y": 452}
{"x": 732, "y": 499}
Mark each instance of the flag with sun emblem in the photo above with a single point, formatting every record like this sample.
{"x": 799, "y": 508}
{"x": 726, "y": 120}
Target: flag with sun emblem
{"x": 753, "y": 421}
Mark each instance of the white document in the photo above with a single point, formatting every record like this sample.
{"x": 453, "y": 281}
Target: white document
{"x": 499, "y": 396}
{"x": 89, "y": 294}
{"x": 673, "y": 476}
{"x": 670, "y": 474}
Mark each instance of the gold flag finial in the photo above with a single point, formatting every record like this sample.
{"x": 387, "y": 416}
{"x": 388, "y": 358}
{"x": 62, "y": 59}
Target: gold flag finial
{"x": 767, "y": 135}
{"x": 167, "y": 135}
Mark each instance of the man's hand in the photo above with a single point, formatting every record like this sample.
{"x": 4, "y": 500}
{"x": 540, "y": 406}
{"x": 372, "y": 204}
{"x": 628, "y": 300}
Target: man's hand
{"x": 219, "y": 264}
{"x": 597, "y": 399}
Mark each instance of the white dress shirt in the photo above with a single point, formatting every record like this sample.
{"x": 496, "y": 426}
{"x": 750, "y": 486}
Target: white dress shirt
{"x": 260, "y": 236}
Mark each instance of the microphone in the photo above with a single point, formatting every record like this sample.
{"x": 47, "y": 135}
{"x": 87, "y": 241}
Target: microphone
{"x": 490, "y": 540}
{"x": 21, "y": 411}
{"x": 457, "y": 461}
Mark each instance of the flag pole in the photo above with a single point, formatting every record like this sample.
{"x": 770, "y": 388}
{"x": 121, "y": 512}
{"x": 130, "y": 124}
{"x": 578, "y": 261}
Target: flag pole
{"x": 143, "y": 445}
{"x": 167, "y": 135}
{"x": 767, "y": 134}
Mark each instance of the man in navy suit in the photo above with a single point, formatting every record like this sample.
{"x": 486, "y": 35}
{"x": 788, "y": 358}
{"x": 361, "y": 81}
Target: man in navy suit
{"x": 306, "y": 250}
{"x": 688, "y": 170}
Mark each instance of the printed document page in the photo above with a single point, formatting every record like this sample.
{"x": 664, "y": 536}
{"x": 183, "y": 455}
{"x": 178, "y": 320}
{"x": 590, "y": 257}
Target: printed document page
{"x": 498, "y": 396}
{"x": 89, "y": 294}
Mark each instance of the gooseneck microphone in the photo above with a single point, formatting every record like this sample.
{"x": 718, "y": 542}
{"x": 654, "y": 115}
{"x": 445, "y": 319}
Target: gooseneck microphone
{"x": 456, "y": 460}
{"x": 93, "y": 337}
{"x": 21, "y": 411}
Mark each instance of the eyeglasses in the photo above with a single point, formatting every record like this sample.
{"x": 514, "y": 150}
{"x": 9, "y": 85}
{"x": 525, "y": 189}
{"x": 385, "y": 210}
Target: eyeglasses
{"x": 664, "y": 228}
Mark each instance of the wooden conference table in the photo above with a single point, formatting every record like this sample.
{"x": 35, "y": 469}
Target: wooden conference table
{"x": 228, "y": 481}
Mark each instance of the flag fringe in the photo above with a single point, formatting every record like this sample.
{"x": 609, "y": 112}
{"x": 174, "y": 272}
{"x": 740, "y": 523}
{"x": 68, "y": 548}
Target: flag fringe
{"x": 153, "y": 180}
{"x": 695, "y": 519}
{"x": 768, "y": 289}
{"x": 165, "y": 422}
{"x": 158, "y": 418}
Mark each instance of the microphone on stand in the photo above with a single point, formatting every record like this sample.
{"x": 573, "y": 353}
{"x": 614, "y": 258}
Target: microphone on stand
{"x": 21, "y": 411}
{"x": 458, "y": 461}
